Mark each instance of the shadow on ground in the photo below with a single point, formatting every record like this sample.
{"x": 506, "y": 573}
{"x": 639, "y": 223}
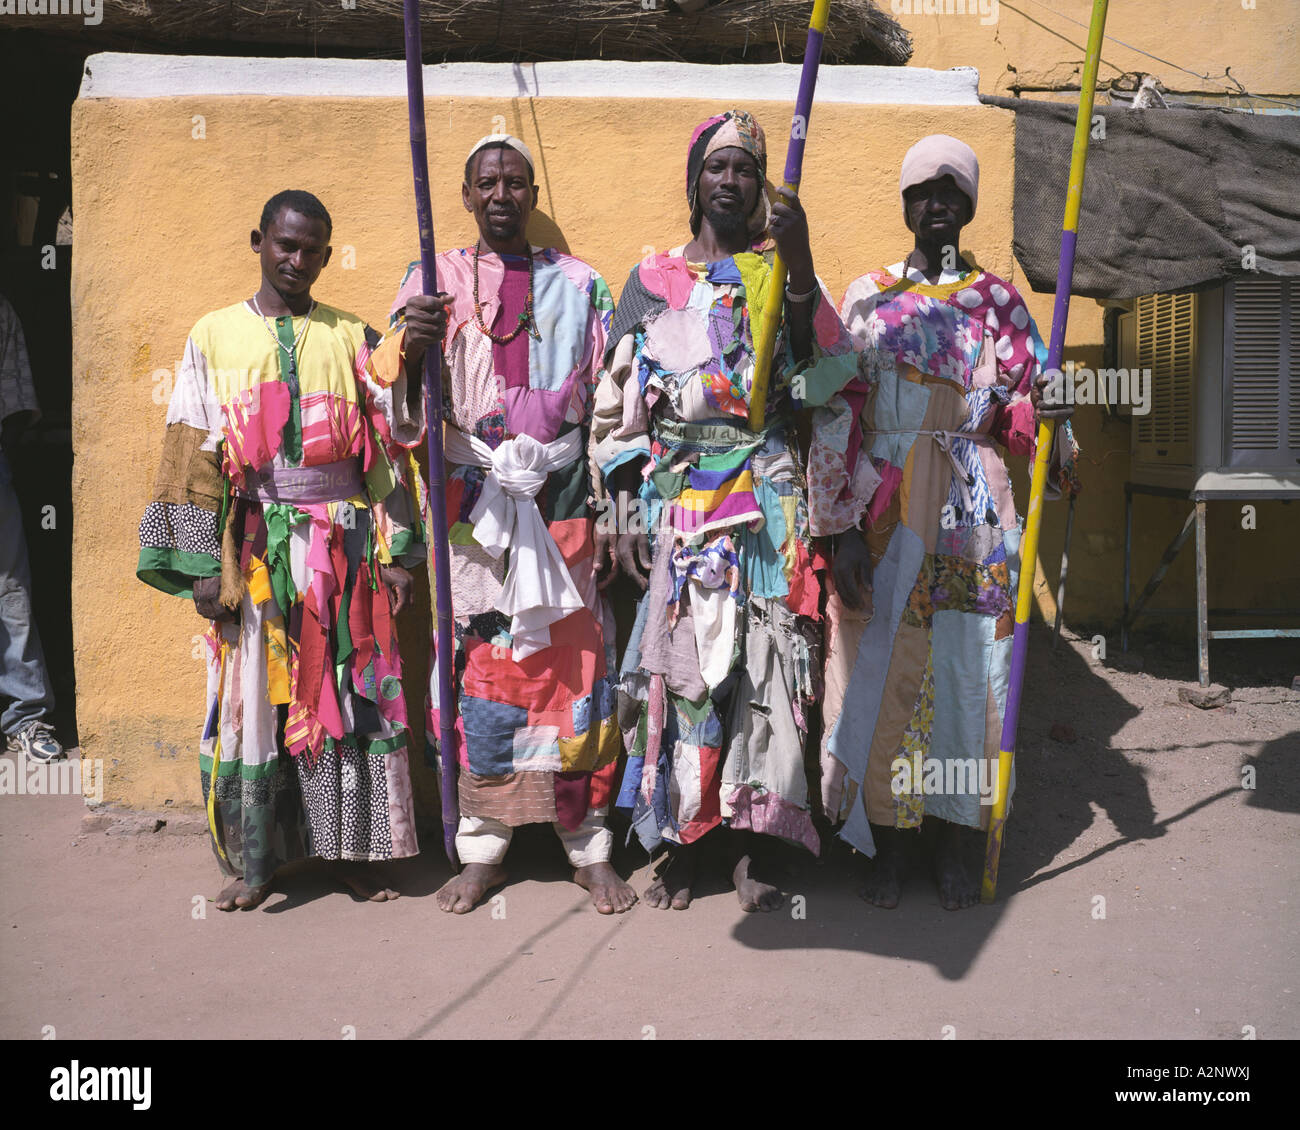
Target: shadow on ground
{"x": 1062, "y": 786}
{"x": 1059, "y": 783}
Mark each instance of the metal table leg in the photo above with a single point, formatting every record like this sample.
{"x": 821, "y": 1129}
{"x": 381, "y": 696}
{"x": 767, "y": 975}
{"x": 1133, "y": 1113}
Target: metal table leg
{"x": 1171, "y": 552}
{"x": 1128, "y": 564}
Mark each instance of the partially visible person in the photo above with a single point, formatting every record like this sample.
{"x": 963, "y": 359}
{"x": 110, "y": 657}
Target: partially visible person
{"x": 283, "y": 508}
{"x": 25, "y": 689}
{"x": 926, "y": 536}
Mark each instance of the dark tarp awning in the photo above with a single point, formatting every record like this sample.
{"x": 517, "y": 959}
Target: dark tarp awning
{"x": 1171, "y": 200}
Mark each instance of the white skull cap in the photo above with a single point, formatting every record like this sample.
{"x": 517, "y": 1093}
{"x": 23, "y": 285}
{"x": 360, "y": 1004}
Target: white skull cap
{"x": 503, "y": 139}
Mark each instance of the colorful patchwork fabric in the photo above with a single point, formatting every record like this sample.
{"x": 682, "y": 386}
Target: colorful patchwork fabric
{"x": 673, "y": 777}
{"x": 304, "y": 748}
{"x": 714, "y": 566}
{"x": 957, "y": 585}
{"x": 724, "y": 502}
{"x": 718, "y": 493}
{"x": 925, "y": 678}
{"x": 551, "y": 713}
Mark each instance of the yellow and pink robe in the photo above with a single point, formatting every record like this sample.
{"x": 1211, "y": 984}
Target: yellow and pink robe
{"x": 290, "y": 483}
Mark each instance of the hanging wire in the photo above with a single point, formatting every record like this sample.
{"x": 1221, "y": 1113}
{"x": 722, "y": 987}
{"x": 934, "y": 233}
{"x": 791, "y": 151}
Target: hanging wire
{"x": 1239, "y": 89}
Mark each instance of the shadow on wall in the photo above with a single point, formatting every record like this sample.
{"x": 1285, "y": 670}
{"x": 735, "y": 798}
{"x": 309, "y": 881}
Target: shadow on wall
{"x": 544, "y": 232}
{"x": 1057, "y": 785}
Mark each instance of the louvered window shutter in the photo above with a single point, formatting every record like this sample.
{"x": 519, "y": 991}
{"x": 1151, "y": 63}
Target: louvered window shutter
{"x": 1165, "y": 333}
{"x": 1261, "y": 353}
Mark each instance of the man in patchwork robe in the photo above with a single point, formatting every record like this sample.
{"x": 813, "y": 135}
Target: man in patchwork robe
{"x": 283, "y": 508}
{"x": 522, "y": 329}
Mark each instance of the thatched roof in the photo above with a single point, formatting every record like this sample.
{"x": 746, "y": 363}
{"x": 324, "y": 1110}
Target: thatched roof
{"x": 698, "y": 31}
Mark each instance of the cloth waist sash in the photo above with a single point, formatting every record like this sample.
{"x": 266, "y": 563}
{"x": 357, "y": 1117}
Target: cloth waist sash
{"x": 305, "y": 486}
{"x": 961, "y": 476}
{"x": 538, "y": 589}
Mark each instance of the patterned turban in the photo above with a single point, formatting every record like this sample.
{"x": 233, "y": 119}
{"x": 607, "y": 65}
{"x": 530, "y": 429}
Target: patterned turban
{"x": 735, "y": 129}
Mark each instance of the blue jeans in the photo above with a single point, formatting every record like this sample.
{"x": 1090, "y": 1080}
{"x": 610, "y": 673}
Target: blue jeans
{"x": 24, "y": 685}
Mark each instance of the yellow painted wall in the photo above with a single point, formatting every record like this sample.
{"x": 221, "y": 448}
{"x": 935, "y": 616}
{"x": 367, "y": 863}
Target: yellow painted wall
{"x": 1032, "y": 44}
{"x": 162, "y": 224}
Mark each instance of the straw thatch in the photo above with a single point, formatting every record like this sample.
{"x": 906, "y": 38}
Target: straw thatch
{"x": 700, "y": 31}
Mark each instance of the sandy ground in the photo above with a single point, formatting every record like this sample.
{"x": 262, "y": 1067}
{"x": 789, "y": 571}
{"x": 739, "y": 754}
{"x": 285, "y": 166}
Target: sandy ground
{"x": 114, "y": 936}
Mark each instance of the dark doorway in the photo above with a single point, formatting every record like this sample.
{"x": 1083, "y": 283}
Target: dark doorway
{"x": 39, "y": 77}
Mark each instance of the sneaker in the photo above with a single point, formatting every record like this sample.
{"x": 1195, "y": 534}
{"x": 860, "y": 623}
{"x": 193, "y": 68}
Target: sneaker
{"x": 37, "y": 741}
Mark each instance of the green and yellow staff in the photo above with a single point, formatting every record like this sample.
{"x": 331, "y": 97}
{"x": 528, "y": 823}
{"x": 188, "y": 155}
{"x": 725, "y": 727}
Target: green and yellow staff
{"x": 765, "y": 331}
{"x": 1046, "y": 436}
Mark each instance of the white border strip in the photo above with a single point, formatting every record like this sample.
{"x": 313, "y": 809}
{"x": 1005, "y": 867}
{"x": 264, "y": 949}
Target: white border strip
{"x": 119, "y": 75}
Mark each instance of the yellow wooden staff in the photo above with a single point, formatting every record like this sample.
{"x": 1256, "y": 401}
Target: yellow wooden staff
{"x": 1046, "y": 436}
{"x": 765, "y": 331}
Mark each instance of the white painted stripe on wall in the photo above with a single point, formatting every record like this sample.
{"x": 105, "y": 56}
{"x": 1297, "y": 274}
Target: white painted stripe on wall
{"x": 119, "y": 75}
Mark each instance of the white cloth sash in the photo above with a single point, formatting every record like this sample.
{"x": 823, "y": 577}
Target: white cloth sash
{"x": 538, "y": 589}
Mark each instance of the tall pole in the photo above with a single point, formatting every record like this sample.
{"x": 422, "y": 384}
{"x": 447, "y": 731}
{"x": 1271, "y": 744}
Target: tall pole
{"x": 765, "y": 331}
{"x": 1046, "y": 436}
{"x": 433, "y": 406}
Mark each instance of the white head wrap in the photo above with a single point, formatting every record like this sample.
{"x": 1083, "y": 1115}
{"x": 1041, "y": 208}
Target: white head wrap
{"x": 940, "y": 155}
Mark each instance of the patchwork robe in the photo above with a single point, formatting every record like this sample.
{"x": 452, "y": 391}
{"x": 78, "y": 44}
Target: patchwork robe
{"x": 915, "y": 691}
{"x": 537, "y": 733}
{"x": 724, "y": 659}
{"x": 304, "y": 745}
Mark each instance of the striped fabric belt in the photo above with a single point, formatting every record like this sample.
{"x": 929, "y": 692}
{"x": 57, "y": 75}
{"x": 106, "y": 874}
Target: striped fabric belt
{"x": 305, "y": 486}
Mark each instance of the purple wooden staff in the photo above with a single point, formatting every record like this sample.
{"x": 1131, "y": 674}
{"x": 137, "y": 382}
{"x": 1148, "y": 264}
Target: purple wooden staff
{"x": 765, "y": 330}
{"x": 433, "y": 402}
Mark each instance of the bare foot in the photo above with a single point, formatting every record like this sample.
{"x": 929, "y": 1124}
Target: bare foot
{"x": 361, "y": 881}
{"x": 884, "y": 884}
{"x": 753, "y": 893}
{"x": 609, "y": 894}
{"x": 238, "y": 895}
{"x": 231, "y": 891}
{"x": 462, "y": 893}
{"x": 250, "y": 898}
{"x": 957, "y": 890}
{"x": 672, "y": 885}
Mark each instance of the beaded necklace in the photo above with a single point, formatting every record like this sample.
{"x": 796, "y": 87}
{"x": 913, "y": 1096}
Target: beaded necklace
{"x": 525, "y": 319}
{"x": 290, "y": 351}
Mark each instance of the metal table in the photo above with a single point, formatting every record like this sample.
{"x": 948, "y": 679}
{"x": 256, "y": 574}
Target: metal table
{"x": 1200, "y": 496}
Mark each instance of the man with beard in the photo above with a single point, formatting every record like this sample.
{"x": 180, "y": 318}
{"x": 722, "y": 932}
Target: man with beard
{"x": 522, "y": 330}
{"x": 723, "y": 662}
